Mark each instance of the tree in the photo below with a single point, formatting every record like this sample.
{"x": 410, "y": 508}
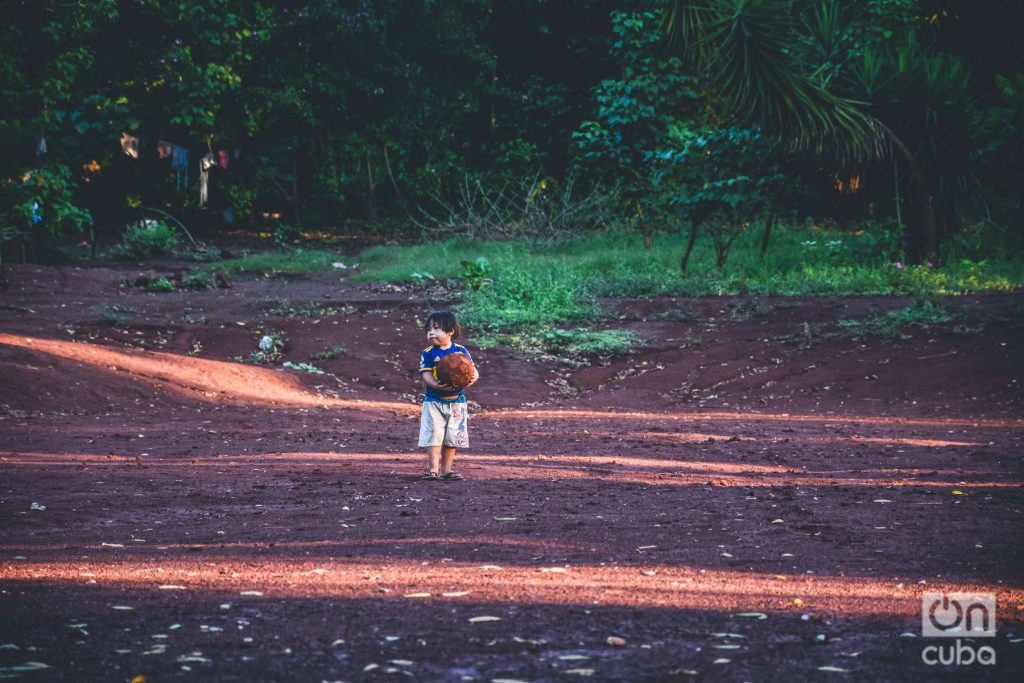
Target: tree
{"x": 850, "y": 86}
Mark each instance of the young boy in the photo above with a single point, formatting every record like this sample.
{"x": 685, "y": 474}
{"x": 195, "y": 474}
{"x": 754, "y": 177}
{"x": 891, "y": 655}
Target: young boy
{"x": 444, "y": 418}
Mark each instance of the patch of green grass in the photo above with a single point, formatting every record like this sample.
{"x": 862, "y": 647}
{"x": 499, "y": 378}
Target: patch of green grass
{"x": 268, "y": 263}
{"x": 572, "y": 346}
{"x": 896, "y": 324}
{"x": 308, "y": 309}
{"x": 328, "y": 354}
{"x": 530, "y": 292}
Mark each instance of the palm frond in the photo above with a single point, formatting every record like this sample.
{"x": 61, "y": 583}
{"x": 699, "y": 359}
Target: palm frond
{"x": 744, "y": 48}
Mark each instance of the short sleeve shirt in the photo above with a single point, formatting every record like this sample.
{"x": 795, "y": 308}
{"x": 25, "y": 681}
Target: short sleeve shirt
{"x": 431, "y": 358}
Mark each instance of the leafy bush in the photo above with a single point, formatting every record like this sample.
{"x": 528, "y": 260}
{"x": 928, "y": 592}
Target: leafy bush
{"x": 160, "y": 285}
{"x": 476, "y": 273}
{"x": 146, "y": 239}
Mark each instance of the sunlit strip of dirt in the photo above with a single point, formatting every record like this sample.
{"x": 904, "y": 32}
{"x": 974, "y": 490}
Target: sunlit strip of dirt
{"x": 611, "y": 469}
{"x": 702, "y": 437}
{"x": 541, "y": 415}
{"x": 652, "y": 586}
{"x": 198, "y": 378}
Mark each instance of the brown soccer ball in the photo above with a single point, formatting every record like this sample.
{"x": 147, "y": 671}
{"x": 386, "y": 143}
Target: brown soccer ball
{"x": 455, "y": 370}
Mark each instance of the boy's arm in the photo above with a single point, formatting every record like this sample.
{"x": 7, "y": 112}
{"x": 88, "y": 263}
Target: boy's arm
{"x": 427, "y": 375}
{"x": 476, "y": 376}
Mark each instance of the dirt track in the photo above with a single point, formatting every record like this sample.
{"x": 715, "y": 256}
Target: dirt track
{"x": 211, "y": 520}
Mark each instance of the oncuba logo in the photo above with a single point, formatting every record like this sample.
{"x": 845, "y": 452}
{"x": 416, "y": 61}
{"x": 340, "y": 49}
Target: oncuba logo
{"x": 958, "y": 615}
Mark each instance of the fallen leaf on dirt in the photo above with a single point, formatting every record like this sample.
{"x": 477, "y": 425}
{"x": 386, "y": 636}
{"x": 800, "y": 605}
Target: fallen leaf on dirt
{"x": 171, "y": 587}
{"x": 751, "y": 615}
{"x": 835, "y": 669}
{"x": 483, "y": 619}
{"x": 257, "y": 593}
{"x": 615, "y": 641}
{"x": 958, "y": 492}
{"x": 416, "y": 595}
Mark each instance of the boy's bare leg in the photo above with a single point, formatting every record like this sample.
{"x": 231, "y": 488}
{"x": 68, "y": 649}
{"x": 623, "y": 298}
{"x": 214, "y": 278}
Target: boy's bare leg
{"x": 434, "y": 459}
{"x": 447, "y": 455}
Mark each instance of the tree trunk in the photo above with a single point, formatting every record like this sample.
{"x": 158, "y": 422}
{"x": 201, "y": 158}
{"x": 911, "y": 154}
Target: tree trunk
{"x": 924, "y": 237}
{"x": 371, "y": 184}
{"x": 694, "y": 226}
{"x": 769, "y": 222}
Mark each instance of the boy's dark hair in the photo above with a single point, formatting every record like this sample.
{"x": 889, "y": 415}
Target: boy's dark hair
{"x": 446, "y": 321}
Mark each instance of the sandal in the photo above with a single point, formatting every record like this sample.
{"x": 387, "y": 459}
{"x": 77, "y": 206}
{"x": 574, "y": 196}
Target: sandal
{"x": 452, "y": 476}
{"x": 430, "y": 476}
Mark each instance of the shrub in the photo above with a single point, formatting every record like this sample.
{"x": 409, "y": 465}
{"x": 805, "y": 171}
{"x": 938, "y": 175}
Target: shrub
{"x": 146, "y": 239}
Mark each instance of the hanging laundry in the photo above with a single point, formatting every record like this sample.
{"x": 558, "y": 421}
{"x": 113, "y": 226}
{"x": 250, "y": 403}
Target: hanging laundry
{"x": 223, "y": 159}
{"x": 41, "y": 147}
{"x": 179, "y": 164}
{"x": 130, "y": 145}
{"x": 164, "y": 149}
{"x": 205, "y": 164}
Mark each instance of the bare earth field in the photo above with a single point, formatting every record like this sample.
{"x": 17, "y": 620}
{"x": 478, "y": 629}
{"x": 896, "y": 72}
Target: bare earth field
{"x": 748, "y": 497}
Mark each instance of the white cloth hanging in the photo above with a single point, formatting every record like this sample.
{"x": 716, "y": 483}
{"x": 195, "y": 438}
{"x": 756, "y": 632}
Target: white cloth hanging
{"x": 205, "y": 164}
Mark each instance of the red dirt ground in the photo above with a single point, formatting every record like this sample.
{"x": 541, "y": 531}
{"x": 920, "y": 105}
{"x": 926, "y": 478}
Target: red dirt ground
{"x": 211, "y": 520}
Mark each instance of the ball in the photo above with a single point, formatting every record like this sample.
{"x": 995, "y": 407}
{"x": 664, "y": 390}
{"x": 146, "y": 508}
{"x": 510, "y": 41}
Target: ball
{"x": 455, "y": 370}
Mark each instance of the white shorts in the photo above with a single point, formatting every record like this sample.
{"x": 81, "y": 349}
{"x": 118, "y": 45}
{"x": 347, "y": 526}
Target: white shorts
{"x": 444, "y": 423}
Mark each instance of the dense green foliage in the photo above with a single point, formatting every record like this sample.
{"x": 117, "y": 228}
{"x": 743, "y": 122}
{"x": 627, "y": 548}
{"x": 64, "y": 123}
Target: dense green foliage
{"x": 526, "y": 117}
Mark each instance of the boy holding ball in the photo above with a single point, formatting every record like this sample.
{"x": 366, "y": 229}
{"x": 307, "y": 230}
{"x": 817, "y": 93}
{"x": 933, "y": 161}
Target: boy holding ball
{"x": 444, "y": 420}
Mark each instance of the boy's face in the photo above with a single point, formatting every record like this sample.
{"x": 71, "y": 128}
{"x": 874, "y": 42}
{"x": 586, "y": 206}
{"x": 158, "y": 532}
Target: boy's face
{"x": 438, "y": 337}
